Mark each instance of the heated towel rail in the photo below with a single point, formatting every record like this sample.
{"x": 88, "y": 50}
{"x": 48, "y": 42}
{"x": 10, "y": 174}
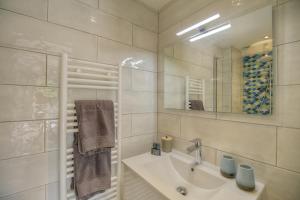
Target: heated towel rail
{"x": 76, "y": 74}
{"x": 194, "y": 88}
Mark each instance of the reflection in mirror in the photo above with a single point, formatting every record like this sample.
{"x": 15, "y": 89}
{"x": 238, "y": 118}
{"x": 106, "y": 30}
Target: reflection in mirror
{"x": 222, "y": 66}
{"x": 244, "y": 71}
{"x": 188, "y": 77}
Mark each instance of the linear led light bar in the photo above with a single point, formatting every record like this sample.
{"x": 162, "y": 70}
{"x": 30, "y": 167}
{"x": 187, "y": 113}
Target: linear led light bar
{"x": 214, "y": 31}
{"x": 212, "y": 18}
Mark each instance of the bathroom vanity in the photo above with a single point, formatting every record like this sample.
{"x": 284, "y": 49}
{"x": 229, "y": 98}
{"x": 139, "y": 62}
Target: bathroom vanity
{"x": 171, "y": 175}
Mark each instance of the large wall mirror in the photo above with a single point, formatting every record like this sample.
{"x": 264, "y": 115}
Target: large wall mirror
{"x": 222, "y": 65}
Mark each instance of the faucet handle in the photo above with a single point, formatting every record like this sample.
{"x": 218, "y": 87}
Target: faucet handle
{"x": 196, "y": 141}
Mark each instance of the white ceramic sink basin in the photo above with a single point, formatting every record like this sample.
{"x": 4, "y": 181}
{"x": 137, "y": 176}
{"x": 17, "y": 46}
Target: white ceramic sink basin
{"x": 169, "y": 171}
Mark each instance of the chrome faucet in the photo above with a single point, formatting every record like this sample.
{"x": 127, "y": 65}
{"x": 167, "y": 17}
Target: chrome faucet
{"x": 197, "y": 148}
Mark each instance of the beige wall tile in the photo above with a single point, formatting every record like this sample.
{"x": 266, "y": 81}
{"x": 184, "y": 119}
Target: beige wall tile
{"x": 126, "y": 126}
{"x": 234, "y": 137}
{"x": 116, "y": 53}
{"x": 144, "y": 81}
{"x": 132, "y": 11}
{"x": 169, "y": 124}
{"x": 289, "y": 107}
{"x": 139, "y": 102}
{"x": 126, "y": 78}
{"x": 280, "y": 183}
{"x": 44, "y": 36}
{"x": 92, "y": 3}
{"x": 53, "y": 70}
{"x": 52, "y": 191}
{"x": 21, "y": 174}
{"x": 207, "y": 154}
{"x": 28, "y": 103}
{"x": 32, "y": 194}
{"x": 33, "y": 8}
{"x": 287, "y": 24}
{"x": 22, "y": 67}
{"x": 90, "y": 20}
{"x": 21, "y": 138}
{"x": 145, "y": 123}
{"x": 52, "y": 135}
{"x": 136, "y": 145}
{"x": 288, "y": 152}
{"x": 144, "y": 39}
{"x": 288, "y": 64}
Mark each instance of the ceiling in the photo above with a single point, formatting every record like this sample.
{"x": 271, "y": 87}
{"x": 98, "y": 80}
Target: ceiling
{"x": 156, "y": 5}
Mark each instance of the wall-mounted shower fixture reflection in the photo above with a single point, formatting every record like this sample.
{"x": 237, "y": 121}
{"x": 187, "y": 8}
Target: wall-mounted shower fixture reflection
{"x": 210, "y": 32}
{"x": 195, "y": 26}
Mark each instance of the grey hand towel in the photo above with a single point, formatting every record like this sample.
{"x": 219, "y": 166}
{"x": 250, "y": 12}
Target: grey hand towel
{"x": 92, "y": 147}
{"x": 96, "y": 124}
{"x": 196, "y": 105}
{"x": 92, "y": 172}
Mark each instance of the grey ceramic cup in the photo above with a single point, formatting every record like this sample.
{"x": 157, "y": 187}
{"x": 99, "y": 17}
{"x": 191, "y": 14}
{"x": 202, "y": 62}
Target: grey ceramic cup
{"x": 227, "y": 166}
{"x": 245, "y": 178}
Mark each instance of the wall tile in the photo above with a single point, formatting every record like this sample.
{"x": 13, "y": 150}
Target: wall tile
{"x": 126, "y": 78}
{"x": 145, "y": 123}
{"x": 288, "y": 64}
{"x": 28, "y": 103}
{"x": 21, "y": 174}
{"x": 289, "y": 107}
{"x": 116, "y": 53}
{"x": 287, "y": 26}
{"x": 144, "y": 39}
{"x": 280, "y": 183}
{"x": 136, "y": 145}
{"x": 21, "y": 138}
{"x": 207, "y": 154}
{"x": 27, "y": 32}
{"x": 144, "y": 80}
{"x": 126, "y": 126}
{"x": 234, "y": 137}
{"x": 132, "y": 11}
{"x": 33, "y": 8}
{"x": 92, "y": 3}
{"x": 169, "y": 124}
{"x": 288, "y": 152}
{"x": 91, "y": 20}
{"x": 51, "y": 134}
{"x": 32, "y": 194}
{"x": 22, "y": 67}
{"x": 138, "y": 102}
{"x": 53, "y": 70}
{"x": 52, "y": 191}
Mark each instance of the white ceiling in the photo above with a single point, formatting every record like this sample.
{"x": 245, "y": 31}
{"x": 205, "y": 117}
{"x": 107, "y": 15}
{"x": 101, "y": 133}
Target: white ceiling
{"x": 156, "y": 5}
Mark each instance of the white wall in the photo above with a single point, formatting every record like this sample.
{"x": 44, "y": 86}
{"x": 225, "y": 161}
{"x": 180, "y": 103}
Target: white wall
{"x": 270, "y": 144}
{"x": 106, "y": 31}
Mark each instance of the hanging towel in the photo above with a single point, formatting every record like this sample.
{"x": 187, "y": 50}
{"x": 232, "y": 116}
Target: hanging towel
{"x": 92, "y": 172}
{"x": 196, "y": 105}
{"x": 96, "y": 124}
{"x": 92, "y": 147}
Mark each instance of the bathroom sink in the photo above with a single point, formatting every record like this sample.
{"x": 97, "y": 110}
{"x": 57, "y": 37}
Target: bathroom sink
{"x": 173, "y": 175}
{"x": 200, "y": 177}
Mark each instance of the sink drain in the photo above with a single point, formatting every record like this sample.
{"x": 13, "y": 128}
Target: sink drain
{"x": 182, "y": 190}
